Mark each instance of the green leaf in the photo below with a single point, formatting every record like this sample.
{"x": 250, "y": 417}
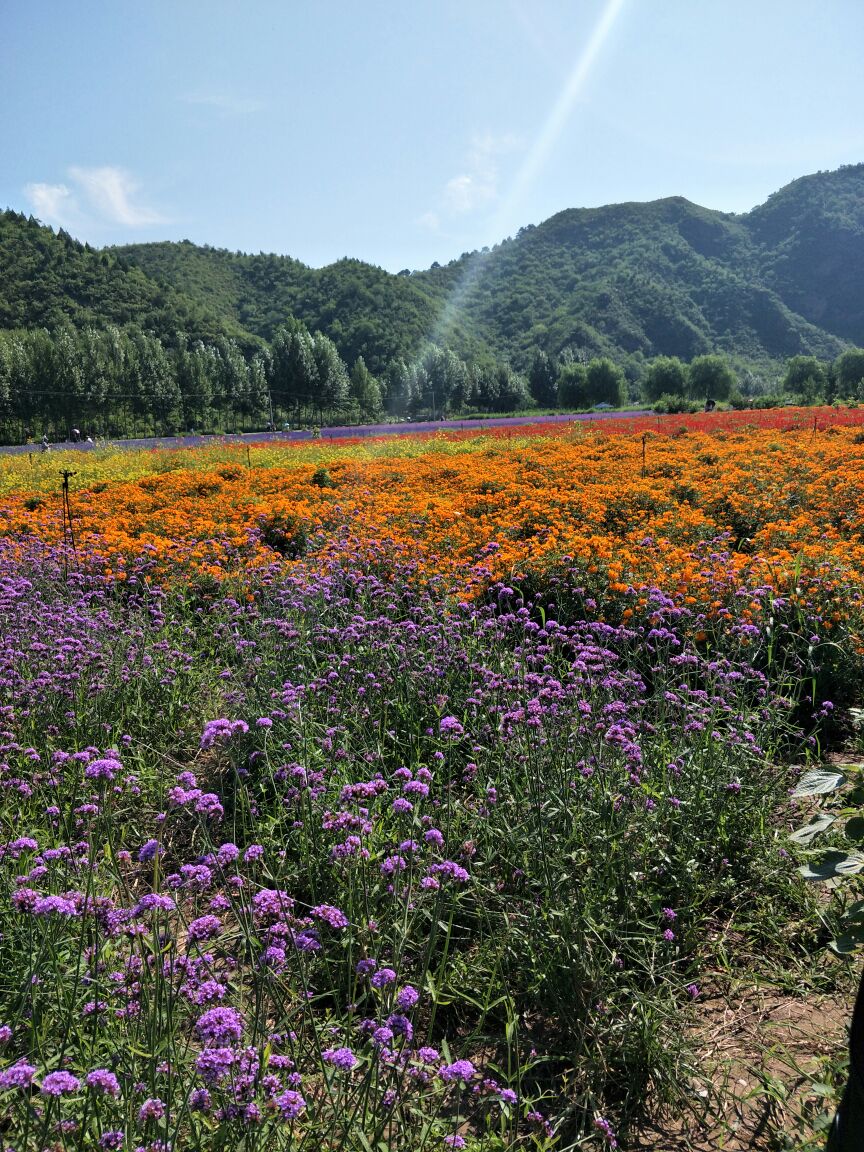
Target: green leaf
{"x": 854, "y": 828}
{"x": 819, "y": 1089}
{"x": 818, "y": 824}
{"x": 833, "y": 864}
{"x": 848, "y": 942}
{"x": 818, "y": 781}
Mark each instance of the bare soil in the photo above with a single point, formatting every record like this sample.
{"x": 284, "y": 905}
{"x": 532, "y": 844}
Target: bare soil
{"x": 770, "y": 1064}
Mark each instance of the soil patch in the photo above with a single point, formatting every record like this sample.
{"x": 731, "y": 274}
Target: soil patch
{"x": 771, "y": 1065}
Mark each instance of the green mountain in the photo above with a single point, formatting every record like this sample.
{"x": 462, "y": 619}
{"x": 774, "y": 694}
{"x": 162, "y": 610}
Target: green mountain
{"x": 366, "y": 311}
{"x": 48, "y": 279}
{"x": 810, "y": 237}
{"x": 627, "y": 280}
{"x": 665, "y": 278}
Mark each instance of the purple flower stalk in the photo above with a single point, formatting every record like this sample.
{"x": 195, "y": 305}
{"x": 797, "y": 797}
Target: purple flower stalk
{"x": 59, "y": 1084}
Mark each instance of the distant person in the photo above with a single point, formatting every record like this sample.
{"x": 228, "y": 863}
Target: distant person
{"x": 76, "y": 435}
{"x": 45, "y": 445}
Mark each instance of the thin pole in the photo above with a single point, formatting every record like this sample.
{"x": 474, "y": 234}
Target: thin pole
{"x": 67, "y": 520}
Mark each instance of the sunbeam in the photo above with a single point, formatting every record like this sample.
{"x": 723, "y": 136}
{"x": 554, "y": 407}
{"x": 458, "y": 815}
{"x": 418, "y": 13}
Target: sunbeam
{"x": 547, "y": 138}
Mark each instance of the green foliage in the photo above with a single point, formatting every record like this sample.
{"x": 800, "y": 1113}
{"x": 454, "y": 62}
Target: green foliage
{"x": 364, "y": 310}
{"x": 849, "y": 370}
{"x": 543, "y": 379}
{"x": 843, "y": 815}
{"x": 47, "y": 279}
{"x": 365, "y": 389}
{"x": 710, "y": 377}
{"x": 573, "y": 386}
{"x": 806, "y": 377}
{"x": 810, "y": 238}
{"x": 669, "y": 404}
{"x": 666, "y": 375}
{"x": 629, "y": 284}
{"x": 606, "y": 384}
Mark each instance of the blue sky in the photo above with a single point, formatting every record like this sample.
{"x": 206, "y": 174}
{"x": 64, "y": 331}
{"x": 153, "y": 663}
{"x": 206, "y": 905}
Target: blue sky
{"x": 407, "y": 131}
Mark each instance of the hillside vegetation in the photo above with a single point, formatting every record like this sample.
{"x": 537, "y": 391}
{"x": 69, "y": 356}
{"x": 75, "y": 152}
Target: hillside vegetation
{"x": 599, "y": 305}
{"x": 664, "y": 278}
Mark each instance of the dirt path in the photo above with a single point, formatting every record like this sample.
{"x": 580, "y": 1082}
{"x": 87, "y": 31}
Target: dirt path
{"x": 770, "y": 1063}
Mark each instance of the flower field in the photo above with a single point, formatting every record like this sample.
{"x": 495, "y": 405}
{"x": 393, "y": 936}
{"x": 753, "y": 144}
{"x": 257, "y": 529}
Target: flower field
{"x": 403, "y": 794}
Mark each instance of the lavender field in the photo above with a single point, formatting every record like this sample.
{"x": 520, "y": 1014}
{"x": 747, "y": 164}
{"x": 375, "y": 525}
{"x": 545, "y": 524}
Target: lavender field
{"x": 347, "y": 864}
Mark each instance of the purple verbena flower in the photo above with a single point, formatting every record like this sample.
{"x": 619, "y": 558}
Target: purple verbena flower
{"x": 102, "y": 769}
{"x": 459, "y": 1070}
{"x": 330, "y": 915}
{"x": 407, "y": 998}
{"x": 59, "y": 1084}
{"x": 220, "y": 1025}
{"x": 290, "y": 1104}
{"x": 204, "y": 928}
{"x": 213, "y": 1064}
{"x": 450, "y": 726}
{"x": 151, "y": 1109}
{"x": 100, "y": 1079}
{"x": 342, "y": 1058}
{"x": 17, "y": 1075}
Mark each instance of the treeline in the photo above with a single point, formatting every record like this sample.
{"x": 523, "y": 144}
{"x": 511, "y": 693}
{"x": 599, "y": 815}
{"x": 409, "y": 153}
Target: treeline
{"x": 673, "y": 386}
{"x": 126, "y": 382}
{"x": 118, "y": 382}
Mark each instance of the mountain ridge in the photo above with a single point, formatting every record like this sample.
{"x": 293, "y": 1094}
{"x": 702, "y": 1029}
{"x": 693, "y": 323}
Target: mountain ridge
{"x": 632, "y": 280}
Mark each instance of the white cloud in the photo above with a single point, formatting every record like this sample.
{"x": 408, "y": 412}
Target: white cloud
{"x": 99, "y": 197}
{"x": 468, "y": 191}
{"x": 53, "y": 203}
{"x": 477, "y": 185}
{"x": 226, "y": 102}
{"x": 430, "y": 220}
{"x": 112, "y": 193}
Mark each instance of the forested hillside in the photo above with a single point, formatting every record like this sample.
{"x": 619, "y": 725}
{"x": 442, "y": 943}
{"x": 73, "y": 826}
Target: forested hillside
{"x": 664, "y": 278}
{"x": 48, "y": 279}
{"x": 366, "y": 311}
{"x": 664, "y": 300}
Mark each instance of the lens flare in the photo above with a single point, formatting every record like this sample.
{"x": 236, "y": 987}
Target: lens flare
{"x": 547, "y": 138}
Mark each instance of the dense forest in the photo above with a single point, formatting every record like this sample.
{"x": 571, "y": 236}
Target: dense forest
{"x": 666, "y": 300}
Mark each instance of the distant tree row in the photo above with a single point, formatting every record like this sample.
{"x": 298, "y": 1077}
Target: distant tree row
{"x": 120, "y": 381}
{"x": 670, "y": 382}
{"x": 815, "y": 380}
{"x": 570, "y": 381}
{"x": 123, "y": 381}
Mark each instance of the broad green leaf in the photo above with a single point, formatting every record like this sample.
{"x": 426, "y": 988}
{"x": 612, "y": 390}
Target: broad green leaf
{"x": 854, "y": 828}
{"x": 819, "y": 1089}
{"x": 833, "y": 864}
{"x": 849, "y": 941}
{"x": 818, "y": 781}
{"x": 818, "y": 824}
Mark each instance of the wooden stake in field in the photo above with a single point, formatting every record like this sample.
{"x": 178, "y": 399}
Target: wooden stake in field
{"x": 67, "y": 523}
